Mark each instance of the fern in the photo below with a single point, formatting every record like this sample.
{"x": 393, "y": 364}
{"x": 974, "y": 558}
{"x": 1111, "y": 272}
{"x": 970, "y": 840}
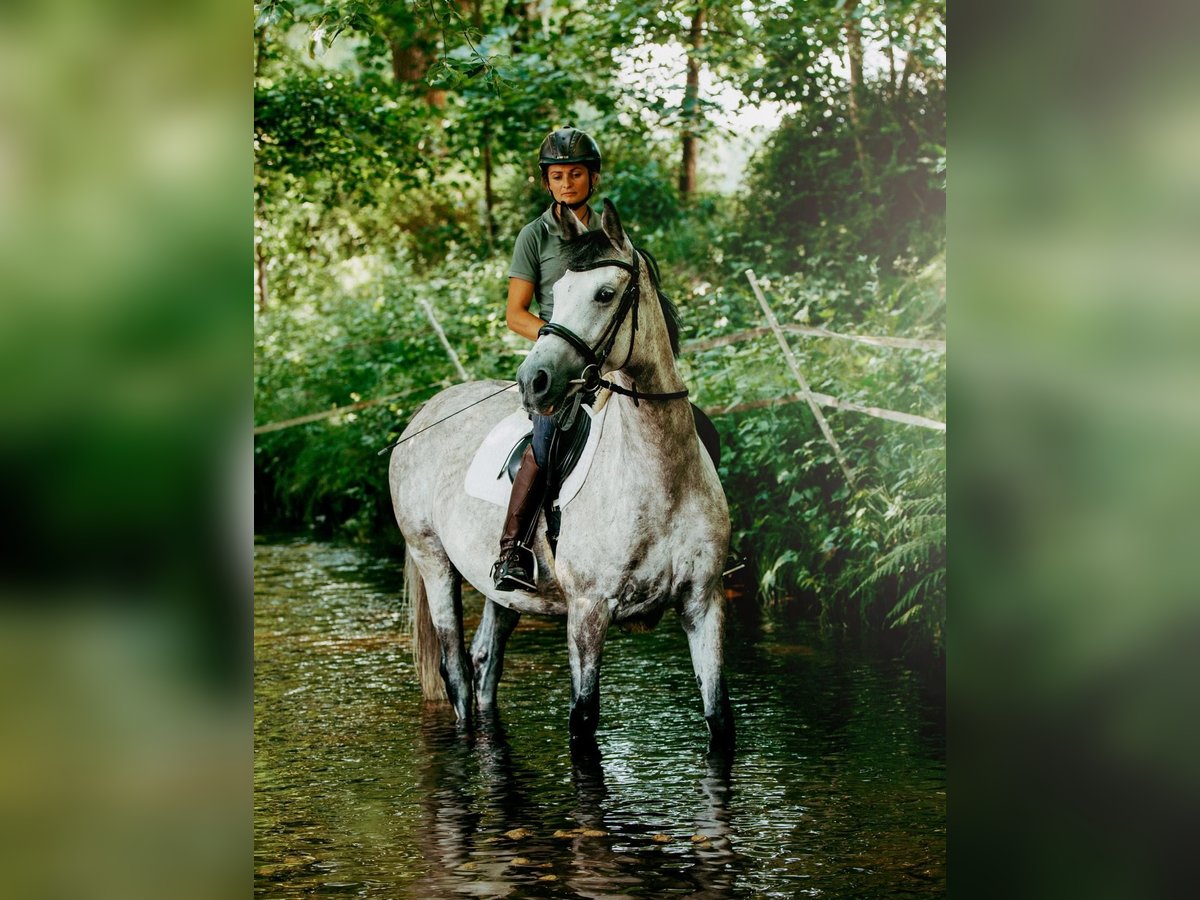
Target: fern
{"x": 914, "y": 561}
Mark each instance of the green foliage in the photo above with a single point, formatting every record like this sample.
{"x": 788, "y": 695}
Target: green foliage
{"x": 360, "y": 332}
{"x": 811, "y": 196}
{"x": 639, "y": 184}
{"x": 337, "y": 137}
{"x": 912, "y": 535}
{"x": 810, "y": 537}
{"x": 802, "y": 47}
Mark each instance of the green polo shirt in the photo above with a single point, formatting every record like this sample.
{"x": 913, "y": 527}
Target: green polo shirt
{"x": 538, "y": 257}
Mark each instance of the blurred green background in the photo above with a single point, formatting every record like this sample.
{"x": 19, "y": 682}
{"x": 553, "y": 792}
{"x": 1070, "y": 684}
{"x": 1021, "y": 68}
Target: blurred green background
{"x": 1075, "y": 627}
{"x": 126, "y": 332}
{"x": 125, "y": 643}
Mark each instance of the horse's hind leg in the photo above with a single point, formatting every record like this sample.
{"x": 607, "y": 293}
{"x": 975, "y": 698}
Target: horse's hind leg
{"x": 487, "y": 650}
{"x": 704, "y": 623}
{"x": 444, "y": 587}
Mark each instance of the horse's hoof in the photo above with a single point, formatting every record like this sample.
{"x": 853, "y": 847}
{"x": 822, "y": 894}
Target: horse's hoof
{"x": 720, "y": 748}
{"x": 721, "y": 735}
{"x": 464, "y": 721}
{"x": 585, "y": 719}
{"x": 585, "y": 752}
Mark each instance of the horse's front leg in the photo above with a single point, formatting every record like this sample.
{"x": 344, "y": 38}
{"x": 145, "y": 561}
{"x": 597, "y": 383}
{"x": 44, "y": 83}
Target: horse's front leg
{"x": 587, "y": 626}
{"x": 487, "y": 650}
{"x": 703, "y": 620}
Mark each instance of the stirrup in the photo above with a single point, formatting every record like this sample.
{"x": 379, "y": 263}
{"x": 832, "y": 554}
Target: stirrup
{"x": 516, "y": 569}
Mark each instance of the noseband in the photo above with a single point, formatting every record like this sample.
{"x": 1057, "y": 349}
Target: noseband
{"x": 594, "y": 357}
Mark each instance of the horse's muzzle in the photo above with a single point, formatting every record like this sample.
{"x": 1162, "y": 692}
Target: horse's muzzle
{"x": 542, "y": 388}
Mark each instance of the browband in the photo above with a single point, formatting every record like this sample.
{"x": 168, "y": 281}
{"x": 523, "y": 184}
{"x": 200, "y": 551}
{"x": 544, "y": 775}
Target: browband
{"x": 603, "y": 263}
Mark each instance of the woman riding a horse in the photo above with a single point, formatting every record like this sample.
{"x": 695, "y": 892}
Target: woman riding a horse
{"x": 645, "y": 530}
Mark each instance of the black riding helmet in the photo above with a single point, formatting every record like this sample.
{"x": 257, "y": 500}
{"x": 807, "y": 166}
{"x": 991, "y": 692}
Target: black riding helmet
{"x": 569, "y": 145}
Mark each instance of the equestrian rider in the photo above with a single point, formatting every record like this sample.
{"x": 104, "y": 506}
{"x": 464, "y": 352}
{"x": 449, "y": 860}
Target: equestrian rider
{"x": 570, "y": 164}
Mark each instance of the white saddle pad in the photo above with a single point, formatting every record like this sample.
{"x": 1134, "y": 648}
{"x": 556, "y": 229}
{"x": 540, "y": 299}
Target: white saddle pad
{"x": 487, "y": 478}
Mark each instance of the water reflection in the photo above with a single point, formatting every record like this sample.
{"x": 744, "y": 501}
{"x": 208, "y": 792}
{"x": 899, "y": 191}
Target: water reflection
{"x": 484, "y": 829}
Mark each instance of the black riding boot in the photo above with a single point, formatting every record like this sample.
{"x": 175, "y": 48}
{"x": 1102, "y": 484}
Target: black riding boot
{"x": 514, "y": 568}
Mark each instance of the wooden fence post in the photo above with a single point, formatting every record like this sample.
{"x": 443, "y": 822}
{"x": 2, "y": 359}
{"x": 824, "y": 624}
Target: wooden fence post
{"x": 795, "y": 367}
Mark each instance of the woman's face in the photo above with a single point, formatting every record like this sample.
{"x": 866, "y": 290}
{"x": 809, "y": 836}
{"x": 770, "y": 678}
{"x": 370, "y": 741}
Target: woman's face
{"x": 568, "y": 182}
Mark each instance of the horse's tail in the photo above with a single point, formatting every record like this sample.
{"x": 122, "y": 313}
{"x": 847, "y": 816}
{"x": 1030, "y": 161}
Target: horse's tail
{"x": 427, "y": 652}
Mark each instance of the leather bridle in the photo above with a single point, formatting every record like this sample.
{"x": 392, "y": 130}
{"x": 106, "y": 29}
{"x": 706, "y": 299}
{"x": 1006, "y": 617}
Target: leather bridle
{"x": 595, "y": 356}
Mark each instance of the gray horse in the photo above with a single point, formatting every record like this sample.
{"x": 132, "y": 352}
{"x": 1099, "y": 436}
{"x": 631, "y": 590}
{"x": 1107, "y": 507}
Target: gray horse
{"x": 648, "y": 529}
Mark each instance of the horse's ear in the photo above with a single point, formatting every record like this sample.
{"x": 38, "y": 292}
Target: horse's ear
{"x": 610, "y": 222}
{"x": 569, "y": 226}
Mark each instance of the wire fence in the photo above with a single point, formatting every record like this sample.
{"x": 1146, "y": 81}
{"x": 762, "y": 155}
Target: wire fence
{"x": 813, "y": 398}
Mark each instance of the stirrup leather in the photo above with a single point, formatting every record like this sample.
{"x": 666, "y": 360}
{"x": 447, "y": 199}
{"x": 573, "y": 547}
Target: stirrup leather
{"x": 516, "y": 569}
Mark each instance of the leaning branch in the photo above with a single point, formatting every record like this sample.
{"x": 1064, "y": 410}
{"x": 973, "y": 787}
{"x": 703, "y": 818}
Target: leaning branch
{"x": 801, "y": 380}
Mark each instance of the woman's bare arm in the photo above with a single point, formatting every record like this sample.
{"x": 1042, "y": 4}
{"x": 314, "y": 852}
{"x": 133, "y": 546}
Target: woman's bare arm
{"x": 517, "y": 314}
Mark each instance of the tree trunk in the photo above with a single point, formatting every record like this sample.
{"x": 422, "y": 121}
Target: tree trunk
{"x": 260, "y": 48}
{"x": 854, "y": 52}
{"x": 410, "y": 61}
{"x": 891, "y": 58}
{"x": 911, "y": 62}
{"x": 260, "y": 265}
{"x": 488, "y": 197}
{"x": 691, "y": 106}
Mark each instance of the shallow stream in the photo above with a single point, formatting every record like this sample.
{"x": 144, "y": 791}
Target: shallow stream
{"x": 837, "y": 788}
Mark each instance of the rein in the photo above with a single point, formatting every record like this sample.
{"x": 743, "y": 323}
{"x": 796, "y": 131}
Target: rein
{"x": 594, "y": 357}
{"x": 400, "y": 440}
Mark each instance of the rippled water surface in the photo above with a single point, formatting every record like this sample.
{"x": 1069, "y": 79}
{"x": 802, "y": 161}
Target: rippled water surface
{"x": 837, "y": 788}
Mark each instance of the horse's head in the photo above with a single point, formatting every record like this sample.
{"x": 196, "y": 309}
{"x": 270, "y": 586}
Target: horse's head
{"x": 595, "y": 308}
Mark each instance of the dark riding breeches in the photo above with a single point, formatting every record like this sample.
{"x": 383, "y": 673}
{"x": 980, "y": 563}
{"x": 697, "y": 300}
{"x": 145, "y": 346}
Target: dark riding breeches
{"x": 543, "y": 434}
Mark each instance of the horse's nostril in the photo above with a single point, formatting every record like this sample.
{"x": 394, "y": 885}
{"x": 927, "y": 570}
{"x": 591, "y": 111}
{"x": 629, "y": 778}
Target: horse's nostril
{"x": 541, "y": 381}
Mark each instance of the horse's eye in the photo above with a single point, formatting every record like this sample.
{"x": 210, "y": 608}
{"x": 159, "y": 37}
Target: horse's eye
{"x": 605, "y": 295}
